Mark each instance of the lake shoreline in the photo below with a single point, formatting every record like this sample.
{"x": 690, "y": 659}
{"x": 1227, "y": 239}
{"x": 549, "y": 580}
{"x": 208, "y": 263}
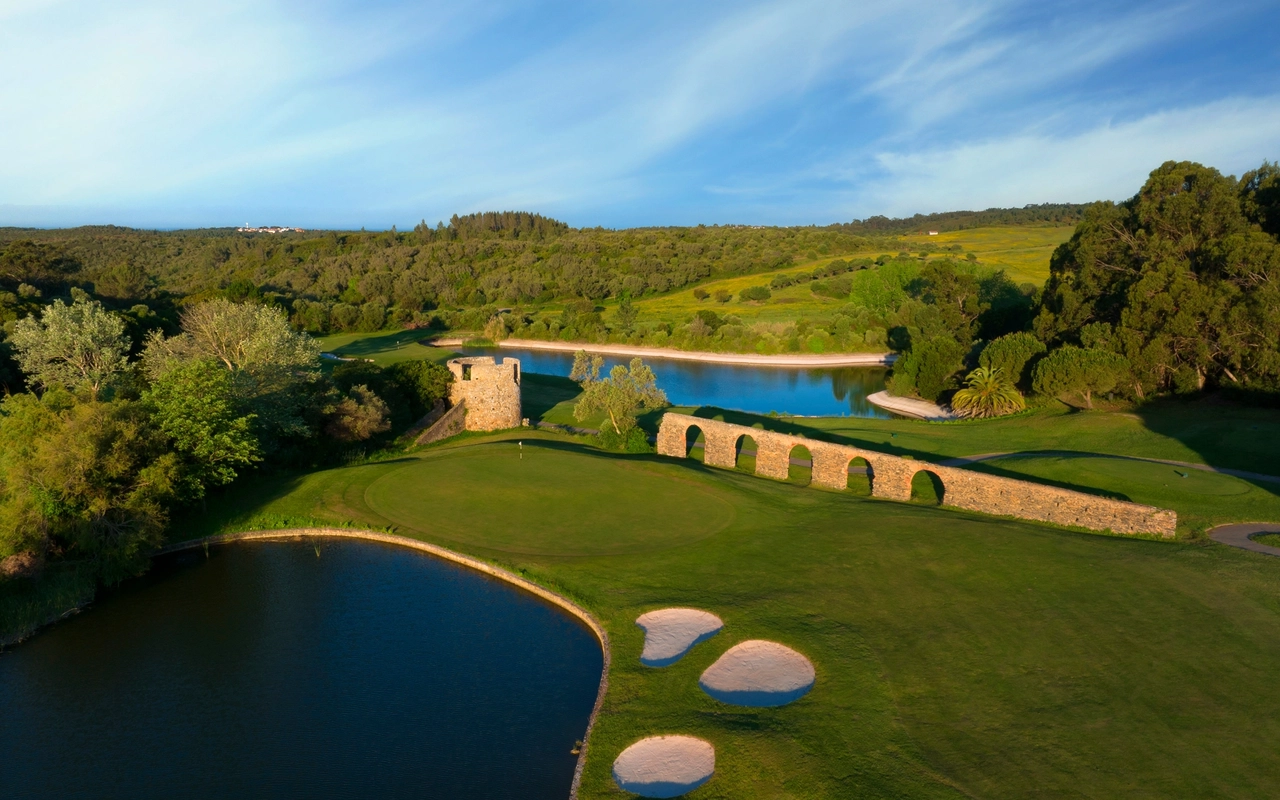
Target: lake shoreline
{"x": 746, "y": 359}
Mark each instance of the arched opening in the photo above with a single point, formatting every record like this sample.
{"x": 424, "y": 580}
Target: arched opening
{"x": 746, "y": 449}
{"x": 927, "y": 488}
{"x": 695, "y": 442}
{"x": 860, "y": 476}
{"x": 799, "y": 465}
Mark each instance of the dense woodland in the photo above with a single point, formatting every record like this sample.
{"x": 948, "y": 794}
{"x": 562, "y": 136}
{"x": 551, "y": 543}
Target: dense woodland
{"x": 145, "y": 370}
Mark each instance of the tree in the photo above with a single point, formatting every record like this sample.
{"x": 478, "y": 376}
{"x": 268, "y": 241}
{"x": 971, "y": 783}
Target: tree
{"x": 275, "y": 371}
{"x": 987, "y": 393}
{"x": 1187, "y": 275}
{"x": 1010, "y": 355}
{"x": 76, "y": 346}
{"x": 195, "y": 406}
{"x": 621, "y": 395}
{"x": 1080, "y": 371}
{"x": 358, "y": 417}
{"x": 425, "y": 383}
{"x": 627, "y": 314}
{"x": 90, "y": 480}
{"x": 928, "y": 369}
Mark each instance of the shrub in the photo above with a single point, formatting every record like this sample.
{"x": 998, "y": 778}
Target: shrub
{"x": 723, "y": 295}
{"x": 756, "y": 294}
{"x": 928, "y": 369}
{"x": 701, "y": 294}
{"x": 1079, "y": 370}
{"x": 1011, "y": 354}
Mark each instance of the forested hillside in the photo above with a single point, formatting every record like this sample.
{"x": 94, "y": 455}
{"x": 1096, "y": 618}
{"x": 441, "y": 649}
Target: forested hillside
{"x": 359, "y": 280}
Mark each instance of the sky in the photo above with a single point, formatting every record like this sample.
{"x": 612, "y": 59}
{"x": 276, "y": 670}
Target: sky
{"x": 370, "y": 114}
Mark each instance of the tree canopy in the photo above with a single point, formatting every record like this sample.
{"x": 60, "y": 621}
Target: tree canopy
{"x": 1183, "y": 279}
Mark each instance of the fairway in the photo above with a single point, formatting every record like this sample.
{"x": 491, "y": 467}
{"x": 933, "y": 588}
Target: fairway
{"x": 536, "y": 500}
{"x": 956, "y": 655}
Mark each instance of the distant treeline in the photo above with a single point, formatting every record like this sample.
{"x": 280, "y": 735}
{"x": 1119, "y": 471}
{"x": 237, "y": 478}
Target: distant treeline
{"x": 1043, "y": 214}
{"x": 333, "y": 281}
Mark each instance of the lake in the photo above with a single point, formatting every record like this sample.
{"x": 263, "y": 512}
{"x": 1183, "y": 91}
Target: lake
{"x": 266, "y": 670}
{"x": 801, "y": 391}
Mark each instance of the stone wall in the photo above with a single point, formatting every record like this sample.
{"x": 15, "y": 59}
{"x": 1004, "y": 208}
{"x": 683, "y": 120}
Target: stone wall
{"x": 490, "y": 390}
{"x": 450, "y": 423}
{"x": 891, "y": 478}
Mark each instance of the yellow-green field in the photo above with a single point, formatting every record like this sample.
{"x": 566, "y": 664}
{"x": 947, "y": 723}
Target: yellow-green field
{"x": 1022, "y": 251}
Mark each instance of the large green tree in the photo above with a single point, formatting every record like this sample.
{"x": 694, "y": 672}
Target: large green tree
{"x": 77, "y": 346}
{"x": 1184, "y": 278}
{"x": 91, "y": 481}
{"x": 195, "y": 405}
{"x": 620, "y": 395}
{"x": 1080, "y": 371}
{"x": 275, "y": 371}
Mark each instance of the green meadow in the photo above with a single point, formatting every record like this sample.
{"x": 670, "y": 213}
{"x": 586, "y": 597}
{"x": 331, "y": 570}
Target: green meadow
{"x": 957, "y": 655}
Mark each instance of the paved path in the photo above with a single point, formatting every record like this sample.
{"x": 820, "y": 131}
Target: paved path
{"x": 1238, "y": 473}
{"x": 906, "y": 407}
{"x": 1241, "y": 536}
{"x": 781, "y": 360}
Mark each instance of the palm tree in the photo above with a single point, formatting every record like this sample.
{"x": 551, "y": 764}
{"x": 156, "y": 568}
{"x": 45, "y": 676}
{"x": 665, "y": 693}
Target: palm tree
{"x": 987, "y": 393}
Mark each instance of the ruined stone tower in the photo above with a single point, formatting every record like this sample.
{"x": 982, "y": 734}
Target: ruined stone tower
{"x": 490, "y": 391}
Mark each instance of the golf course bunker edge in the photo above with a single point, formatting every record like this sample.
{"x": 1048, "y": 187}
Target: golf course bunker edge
{"x": 760, "y": 674}
{"x": 669, "y": 633}
{"x": 665, "y": 766}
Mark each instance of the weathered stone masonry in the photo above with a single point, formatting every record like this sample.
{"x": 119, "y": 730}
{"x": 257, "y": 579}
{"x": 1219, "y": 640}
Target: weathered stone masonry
{"x": 489, "y": 390}
{"x": 891, "y": 478}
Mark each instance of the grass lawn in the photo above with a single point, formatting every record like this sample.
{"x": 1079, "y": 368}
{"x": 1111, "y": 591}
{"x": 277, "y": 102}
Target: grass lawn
{"x": 957, "y": 655}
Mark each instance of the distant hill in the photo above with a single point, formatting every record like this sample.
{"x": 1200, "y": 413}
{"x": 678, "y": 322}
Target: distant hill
{"x": 1042, "y": 214}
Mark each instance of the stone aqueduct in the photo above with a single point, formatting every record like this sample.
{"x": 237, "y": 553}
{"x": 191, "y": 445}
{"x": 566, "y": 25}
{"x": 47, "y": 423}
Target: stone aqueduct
{"x": 891, "y": 478}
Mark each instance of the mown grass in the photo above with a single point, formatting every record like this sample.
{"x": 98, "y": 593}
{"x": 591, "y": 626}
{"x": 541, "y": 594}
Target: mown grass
{"x": 957, "y": 655}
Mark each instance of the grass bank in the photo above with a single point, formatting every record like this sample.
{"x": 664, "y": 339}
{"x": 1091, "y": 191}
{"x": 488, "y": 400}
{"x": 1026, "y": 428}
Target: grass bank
{"x": 957, "y": 655}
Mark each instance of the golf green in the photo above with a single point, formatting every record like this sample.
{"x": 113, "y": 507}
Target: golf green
{"x": 541, "y": 501}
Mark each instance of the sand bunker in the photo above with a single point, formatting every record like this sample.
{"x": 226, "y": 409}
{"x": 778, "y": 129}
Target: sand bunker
{"x": 665, "y": 766}
{"x": 669, "y": 633}
{"x": 758, "y": 673}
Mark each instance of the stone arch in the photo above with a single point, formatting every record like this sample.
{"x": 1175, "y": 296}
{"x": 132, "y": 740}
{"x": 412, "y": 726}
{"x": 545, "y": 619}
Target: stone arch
{"x": 799, "y": 473}
{"x": 927, "y": 488}
{"x": 745, "y": 449}
{"x": 695, "y": 443}
{"x": 860, "y": 476}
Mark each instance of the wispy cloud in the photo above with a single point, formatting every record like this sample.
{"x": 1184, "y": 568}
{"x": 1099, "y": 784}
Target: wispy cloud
{"x": 339, "y": 113}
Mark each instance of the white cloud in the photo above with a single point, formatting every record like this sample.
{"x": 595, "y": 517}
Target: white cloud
{"x": 1107, "y": 162}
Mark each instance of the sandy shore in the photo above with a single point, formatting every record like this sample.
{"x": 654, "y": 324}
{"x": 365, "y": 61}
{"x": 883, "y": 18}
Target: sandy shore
{"x": 906, "y": 407}
{"x": 780, "y": 360}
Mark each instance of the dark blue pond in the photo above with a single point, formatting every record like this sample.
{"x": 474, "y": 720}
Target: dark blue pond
{"x": 792, "y": 390}
{"x": 266, "y": 671}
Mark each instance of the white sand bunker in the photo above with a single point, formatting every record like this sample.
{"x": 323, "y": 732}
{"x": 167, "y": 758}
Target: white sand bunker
{"x": 665, "y": 766}
{"x": 758, "y": 673}
{"x": 669, "y": 633}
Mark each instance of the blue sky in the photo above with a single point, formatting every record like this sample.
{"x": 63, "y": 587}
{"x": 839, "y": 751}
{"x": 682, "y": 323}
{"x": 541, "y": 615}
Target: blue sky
{"x": 349, "y": 114}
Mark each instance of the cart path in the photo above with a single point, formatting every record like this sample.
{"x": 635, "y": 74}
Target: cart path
{"x": 1241, "y": 535}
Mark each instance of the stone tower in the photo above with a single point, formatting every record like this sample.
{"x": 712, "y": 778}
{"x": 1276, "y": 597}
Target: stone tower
{"x": 490, "y": 390}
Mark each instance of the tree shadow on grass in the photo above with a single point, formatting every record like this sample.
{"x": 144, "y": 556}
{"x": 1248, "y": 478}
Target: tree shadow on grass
{"x": 1238, "y": 431}
{"x": 371, "y": 345}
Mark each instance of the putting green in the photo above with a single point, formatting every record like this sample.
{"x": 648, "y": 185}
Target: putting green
{"x": 1131, "y": 476}
{"x": 549, "y": 502}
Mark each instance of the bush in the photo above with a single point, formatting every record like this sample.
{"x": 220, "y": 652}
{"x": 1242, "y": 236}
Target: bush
{"x": 987, "y": 393}
{"x": 633, "y": 441}
{"x": 1012, "y": 354}
{"x": 701, "y": 294}
{"x": 755, "y": 294}
{"x": 723, "y": 295}
{"x": 1080, "y": 371}
{"x": 928, "y": 369}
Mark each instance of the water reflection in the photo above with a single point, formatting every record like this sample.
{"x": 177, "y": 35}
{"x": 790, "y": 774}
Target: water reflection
{"x": 793, "y": 390}
{"x": 267, "y": 670}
